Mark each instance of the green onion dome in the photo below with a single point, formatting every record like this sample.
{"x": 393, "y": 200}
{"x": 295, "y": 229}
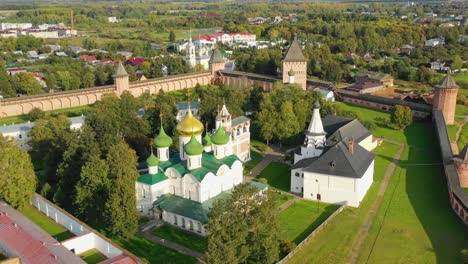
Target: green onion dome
{"x": 220, "y": 137}
{"x": 152, "y": 160}
{"x": 193, "y": 147}
{"x": 162, "y": 140}
{"x": 206, "y": 140}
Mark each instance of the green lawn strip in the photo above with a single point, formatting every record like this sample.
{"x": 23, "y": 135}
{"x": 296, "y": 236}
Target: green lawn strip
{"x": 343, "y": 230}
{"x": 463, "y": 139}
{"x": 301, "y": 218}
{"x": 92, "y": 256}
{"x": 415, "y": 223}
{"x": 180, "y": 237}
{"x": 255, "y": 158}
{"x": 48, "y": 225}
{"x": 278, "y": 176}
{"x": 70, "y": 112}
{"x": 152, "y": 252}
{"x": 452, "y": 131}
{"x": 282, "y": 198}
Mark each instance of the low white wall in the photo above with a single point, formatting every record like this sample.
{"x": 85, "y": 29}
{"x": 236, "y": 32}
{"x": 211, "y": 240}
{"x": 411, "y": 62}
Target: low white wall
{"x": 86, "y": 238}
{"x": 59, "y": 216}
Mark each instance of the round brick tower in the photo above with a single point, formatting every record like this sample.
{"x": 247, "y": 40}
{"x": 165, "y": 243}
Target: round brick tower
{"x": 445, "y": 98}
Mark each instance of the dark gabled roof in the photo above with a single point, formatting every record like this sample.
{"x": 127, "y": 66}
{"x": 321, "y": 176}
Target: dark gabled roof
{"x": 331, "y": 123}
{"x": 447, "y": 83}
{"x": 294, "y": 53}
{"x": 216, "y": 56}
{"x": 184, "y": 105}
{"x": 304, "y": 162}
{"x": 463, "y": 155}
{"x": 338, "y": 161}
{"x": 353, "y": 130}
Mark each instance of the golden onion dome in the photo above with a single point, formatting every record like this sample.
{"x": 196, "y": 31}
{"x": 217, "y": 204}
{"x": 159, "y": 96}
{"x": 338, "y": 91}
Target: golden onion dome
{"x": 189, "y": 125}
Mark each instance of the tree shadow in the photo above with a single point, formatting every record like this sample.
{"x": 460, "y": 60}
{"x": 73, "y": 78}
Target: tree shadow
{"x": 328, "y": 209}
{"x": 426, "y": 188}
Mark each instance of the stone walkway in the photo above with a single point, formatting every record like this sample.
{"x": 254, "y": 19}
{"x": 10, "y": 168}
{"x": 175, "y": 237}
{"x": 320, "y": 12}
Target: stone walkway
{"x": 170, "y": 244}
{"x": 364, "y": 229}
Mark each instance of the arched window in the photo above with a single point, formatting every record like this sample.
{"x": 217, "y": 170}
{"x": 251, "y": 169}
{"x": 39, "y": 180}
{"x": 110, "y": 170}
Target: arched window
{"x": 297, "y": 174}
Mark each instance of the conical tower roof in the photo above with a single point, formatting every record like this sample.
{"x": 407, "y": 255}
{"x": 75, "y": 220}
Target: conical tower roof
{"x": 207, "y": 140}
{"x": 162, "y": 140}
{"x": 315, "y": 125}
{"x": 291, "y": 72}
{"x": 447, "y": 83}
{"x": 223, "y": 112}
{"x": 120, "y": 72}
{"x": 216, "y": 56}
{"x": 294, "y": 52}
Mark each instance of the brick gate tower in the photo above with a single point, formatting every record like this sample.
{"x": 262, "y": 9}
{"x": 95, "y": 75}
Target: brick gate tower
{"x": 445, "y": 98}
{"x": 120, "y": 79}
{"x": 296, "y": 63}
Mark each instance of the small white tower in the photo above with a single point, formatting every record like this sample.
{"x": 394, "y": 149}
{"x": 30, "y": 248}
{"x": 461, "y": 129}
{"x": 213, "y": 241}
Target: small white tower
{"x": 314, "y": 137}
{"x": 222, "y": 146}
{"x": 224, "y": 118}
{"x": 153, "y": 164}
{"x": 188, "y": 127}
{"x": 190, "y": 56}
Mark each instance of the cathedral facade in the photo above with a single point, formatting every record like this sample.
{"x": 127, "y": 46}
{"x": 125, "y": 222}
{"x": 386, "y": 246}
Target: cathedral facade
{"x": 181, "y": 186}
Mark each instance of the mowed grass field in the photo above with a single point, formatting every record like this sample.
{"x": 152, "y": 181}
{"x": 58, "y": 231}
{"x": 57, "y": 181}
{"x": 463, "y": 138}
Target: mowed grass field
{"x": 92, "y": 256}
{"x": 300, "y": 219}
{"x": 183, "y": 238}
{"x": 48, "y": 225}
{"x": 278, "y": 176}
{"x": 414, "y": 224}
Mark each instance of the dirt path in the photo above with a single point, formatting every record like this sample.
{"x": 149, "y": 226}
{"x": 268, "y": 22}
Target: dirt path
{"x": 457, "y": 137}
{"x": 170, "y": 244}
{"x": 364, "y": 229}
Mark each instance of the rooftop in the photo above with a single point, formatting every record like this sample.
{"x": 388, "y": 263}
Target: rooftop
{"x": 294, "y": 53}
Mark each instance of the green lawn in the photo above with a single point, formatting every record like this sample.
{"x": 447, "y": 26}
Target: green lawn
{"x": 178, "y": 236}
{"x": 70, "y": 112}
{"x": 452, "y": 131}
{"x": 463, "y": 139}
{"x": 47, "y": 224}
{"x": 278, "y": 176}
{"x": 282, "y": 198}
{"x": 461, "y": 79}
{"x": 152, "y": 252}
{"x": 301, "y": 218}
{"x": 255, "y": 158}
{"x": 415, "y": 223}
{"x": 92, "y": 256}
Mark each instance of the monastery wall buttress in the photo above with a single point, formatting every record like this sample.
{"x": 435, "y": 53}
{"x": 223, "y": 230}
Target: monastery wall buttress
{"x": 60, "y": 100}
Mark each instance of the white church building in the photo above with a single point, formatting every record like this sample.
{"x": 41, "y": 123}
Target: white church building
{"x": 180, "y": 187}
{"x": 334, "y": 165}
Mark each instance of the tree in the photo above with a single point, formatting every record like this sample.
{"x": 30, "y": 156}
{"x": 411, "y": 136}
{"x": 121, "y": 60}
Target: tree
{"x": 17, "y": 177}
{"x": 24, "y": 83}
{"x": 172, "y": 36}
{"x": 457, "y": 63}
{"x": 120, "y": 210}
{"x": 401, "y": 116}
{"x": 266, "y": 118}
{"x": 91, "y": 190}
{"x": 36, "y": 114}
{"x": 287, "y": 124}
{"x": 6, "y": 89}
{"x": 242, "y": 228}
{"x": 332, "y": 71}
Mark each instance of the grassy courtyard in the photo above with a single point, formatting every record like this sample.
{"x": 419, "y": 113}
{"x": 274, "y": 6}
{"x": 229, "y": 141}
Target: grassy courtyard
{"x": 414, "y": 224}
{"x": 255, "y": 158}
{"x": 278, "y": 176}
{"x": 48, "y": 225}
{"x": 178, "y": 236}
{"x": 92, "y": 256}
{"x": 152, "y": 252}
{"x": 300, "y": 219}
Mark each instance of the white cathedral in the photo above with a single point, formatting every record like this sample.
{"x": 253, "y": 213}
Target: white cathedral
{"x": 334, "y": 165}
{"x": 180, "y": 187}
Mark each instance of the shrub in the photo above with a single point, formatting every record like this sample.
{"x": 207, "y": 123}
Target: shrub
{"x": 263, "y": 180}
{"x": 260, "y": 146}
{"x": 36, "y": 114}
{"x": 464, "y": 253}
{"x": 286, "y": 246}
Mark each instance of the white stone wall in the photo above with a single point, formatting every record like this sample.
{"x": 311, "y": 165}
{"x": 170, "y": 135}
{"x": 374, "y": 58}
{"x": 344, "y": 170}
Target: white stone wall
{"x": 147, "y": 194}
{"x": 184, "y": 223}
{"x": 297, "y": 180}
{"x": 89, "y": 241}
{"x": 365, "y": 183}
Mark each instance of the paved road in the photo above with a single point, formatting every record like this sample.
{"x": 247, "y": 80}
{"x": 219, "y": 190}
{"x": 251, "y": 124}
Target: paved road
{"x": 170, "y": 244}
{"x": 364, "y": 229}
